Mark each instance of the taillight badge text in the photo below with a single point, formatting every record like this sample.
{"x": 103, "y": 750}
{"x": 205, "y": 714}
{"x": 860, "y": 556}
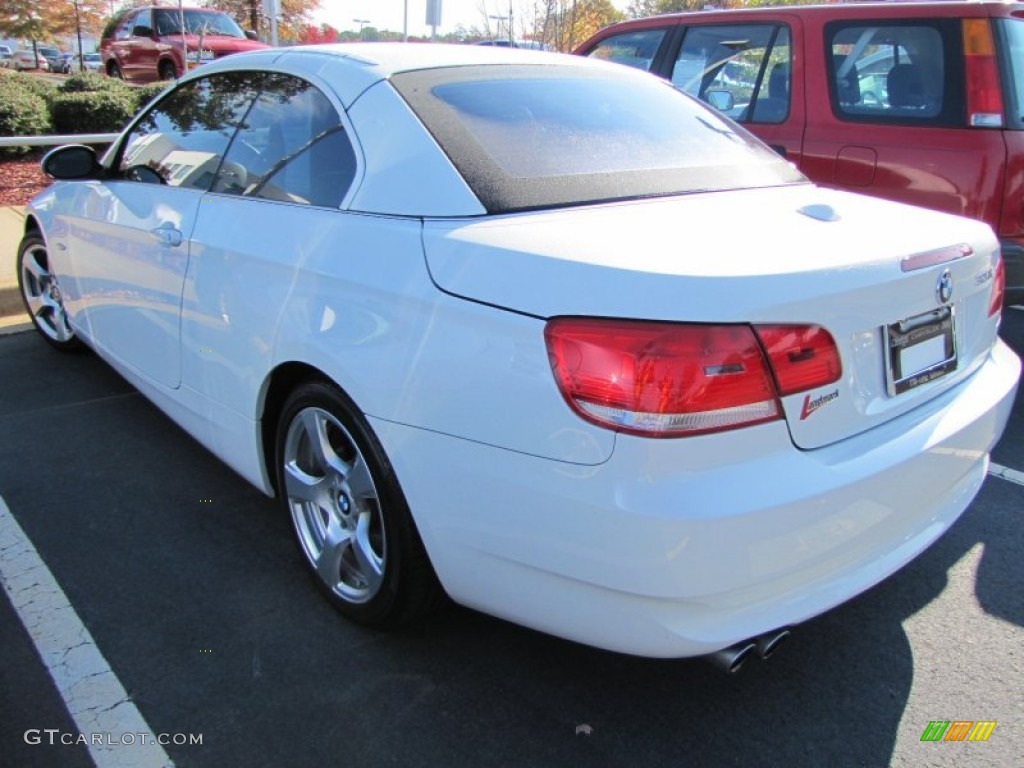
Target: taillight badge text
{"x": 810, "y": 406}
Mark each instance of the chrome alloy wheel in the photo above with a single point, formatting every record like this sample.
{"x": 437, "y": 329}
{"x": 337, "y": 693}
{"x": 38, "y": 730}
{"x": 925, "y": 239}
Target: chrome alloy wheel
{"x": 40, "y": 292}
{"x": 335, "y": 505}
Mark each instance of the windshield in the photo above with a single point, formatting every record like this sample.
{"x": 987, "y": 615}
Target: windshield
{"x": 196, "y": 22}
{"x": 536, "y": 137}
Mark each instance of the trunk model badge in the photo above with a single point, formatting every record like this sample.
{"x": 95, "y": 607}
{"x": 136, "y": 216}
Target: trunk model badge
{"x": 944, "y": 288}
{"x": 810, "y": 406}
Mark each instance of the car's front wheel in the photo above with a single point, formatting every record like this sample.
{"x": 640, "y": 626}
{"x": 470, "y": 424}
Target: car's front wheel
{"x": 167, "y": 71}
{"x": 350, "y": 517}
{"x": 41, "y": 294}
{"x": 114, "y": 71}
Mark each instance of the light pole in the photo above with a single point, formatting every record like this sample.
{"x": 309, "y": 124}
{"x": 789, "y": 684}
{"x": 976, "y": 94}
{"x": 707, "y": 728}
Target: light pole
{"x": 500, "y": 20}
{"x": 508, "y": 19}
{"x": 362, "y": 23}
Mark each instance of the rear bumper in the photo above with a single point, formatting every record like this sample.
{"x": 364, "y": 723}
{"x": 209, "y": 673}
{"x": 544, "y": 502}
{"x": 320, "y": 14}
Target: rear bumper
{"x": 681, "y": 547}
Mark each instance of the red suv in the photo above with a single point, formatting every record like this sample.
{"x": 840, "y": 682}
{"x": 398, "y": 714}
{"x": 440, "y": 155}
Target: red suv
{"x": 145, "y": 44}
{"x": 922, "y": 103}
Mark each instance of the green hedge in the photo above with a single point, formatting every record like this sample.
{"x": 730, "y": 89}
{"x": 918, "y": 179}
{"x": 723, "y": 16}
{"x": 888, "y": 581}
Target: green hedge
{"x": 92, "y": 111}
{"x": 83, "y": 103}
{"x": 90, "y": 81}
{"x": 147, "y": 93}
{"x": 23, "y": 112}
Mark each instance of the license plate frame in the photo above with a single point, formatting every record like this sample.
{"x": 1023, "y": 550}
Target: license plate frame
{"x": 919, "y": 350}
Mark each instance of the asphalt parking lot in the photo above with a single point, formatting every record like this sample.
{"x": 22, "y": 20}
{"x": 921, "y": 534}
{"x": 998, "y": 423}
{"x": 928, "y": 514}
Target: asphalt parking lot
{"x": 185, "y": 582}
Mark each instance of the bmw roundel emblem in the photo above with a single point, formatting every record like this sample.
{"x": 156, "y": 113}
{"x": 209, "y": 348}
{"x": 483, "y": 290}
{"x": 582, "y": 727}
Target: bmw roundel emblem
{"x": 944, "y": 288}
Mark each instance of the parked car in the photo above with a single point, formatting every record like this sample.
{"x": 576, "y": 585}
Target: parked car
{"x": 68, "y": 63}
{"x": 505, "y": 43}
{"x": 6, "y": 57}
{"x": 26, "y": 59}
{"x": 92, "y": 62}
{"x": 642, "y": 386}
{"x": 54, "y": 58}
{"x": 914, "y": 102}
{"x": 145, "y": 44}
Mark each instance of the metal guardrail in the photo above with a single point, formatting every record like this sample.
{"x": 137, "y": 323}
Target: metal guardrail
{"x": 54, "y": 141}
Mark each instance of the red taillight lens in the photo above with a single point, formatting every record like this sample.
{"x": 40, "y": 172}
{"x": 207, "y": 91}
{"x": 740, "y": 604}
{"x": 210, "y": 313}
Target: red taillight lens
{"x": 984, "y": 96}
{"x": 802, "y": 356}
{"x": 671, "y": 379}
{"x": 995, "y": 304}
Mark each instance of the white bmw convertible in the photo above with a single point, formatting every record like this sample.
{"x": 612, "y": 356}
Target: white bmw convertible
{"x": 536, "y": 332}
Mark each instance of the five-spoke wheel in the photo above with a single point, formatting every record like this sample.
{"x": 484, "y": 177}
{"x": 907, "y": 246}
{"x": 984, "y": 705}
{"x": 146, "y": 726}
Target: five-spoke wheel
{"x": 349, "y": 514}
{"x": 41, "y": 294}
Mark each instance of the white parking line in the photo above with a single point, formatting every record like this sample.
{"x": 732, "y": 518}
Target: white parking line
{"x": 1005, "y": 473}
{"x": 94, "y": 697}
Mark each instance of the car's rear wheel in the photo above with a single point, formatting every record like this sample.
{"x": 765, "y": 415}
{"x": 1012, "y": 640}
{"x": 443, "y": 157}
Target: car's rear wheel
{"x": 114, "y": 71}
{"x": 350, "y": 517}
{"x": 41, "y": 294}
{"x": 167, "y": 70}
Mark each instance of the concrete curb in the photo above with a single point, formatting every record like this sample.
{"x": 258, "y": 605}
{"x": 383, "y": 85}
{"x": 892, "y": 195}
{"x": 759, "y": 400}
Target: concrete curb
{"x": 11, "y": 228}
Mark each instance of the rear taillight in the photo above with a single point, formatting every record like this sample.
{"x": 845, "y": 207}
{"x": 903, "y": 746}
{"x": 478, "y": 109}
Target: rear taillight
{"x": 984, "y": 96}
{"x": 672, "y": 379}
{"x": 995, "y": 304}
{"x": 802, "y": 356}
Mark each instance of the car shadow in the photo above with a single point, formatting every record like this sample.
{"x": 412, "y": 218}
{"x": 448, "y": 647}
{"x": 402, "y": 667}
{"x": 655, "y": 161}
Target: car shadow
{"x": 835, "y": 694}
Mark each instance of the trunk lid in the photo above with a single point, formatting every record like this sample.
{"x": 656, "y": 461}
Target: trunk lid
{"x": 868, "y": 271}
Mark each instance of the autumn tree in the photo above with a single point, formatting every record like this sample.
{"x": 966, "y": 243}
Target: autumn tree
{"x": 313, "y": 34}
{"x": 563, "y": 24}
{"x": 291, "y": 25}
{"x": 35, "y": 20}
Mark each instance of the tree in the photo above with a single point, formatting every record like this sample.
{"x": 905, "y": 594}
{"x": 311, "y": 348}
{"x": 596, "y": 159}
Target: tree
{"x": 639, "y": 9}
{"x": 313, "y": 34}
{"x": 564, "y": 24}
{"x": 35, "y": 20}
{"x": 295, "y": 16}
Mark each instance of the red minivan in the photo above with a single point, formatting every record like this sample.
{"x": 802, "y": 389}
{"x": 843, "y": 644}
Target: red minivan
{"x": 922, "y": 103}
{"x": 143, "y": 45}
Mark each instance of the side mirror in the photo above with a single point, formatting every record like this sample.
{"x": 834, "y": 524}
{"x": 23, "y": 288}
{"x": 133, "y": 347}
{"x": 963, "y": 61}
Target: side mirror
{"x": 251, "y": 34}
{"x": 720, "y": 100}
{"x": 141, "y": 30}
{"x": 71, "y": 163}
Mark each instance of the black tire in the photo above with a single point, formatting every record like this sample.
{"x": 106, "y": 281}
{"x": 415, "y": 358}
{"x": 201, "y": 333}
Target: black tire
{"x": 41, "y": 296}
{"x": 114, "y": 71}
{"x": 342, "y": 487}
{"x": 167, "y": 71}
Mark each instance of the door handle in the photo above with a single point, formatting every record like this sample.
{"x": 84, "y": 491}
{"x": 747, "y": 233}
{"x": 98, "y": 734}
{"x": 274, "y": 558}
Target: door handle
{"x": 168, "y": 235}
{"x": 779, "y": 149}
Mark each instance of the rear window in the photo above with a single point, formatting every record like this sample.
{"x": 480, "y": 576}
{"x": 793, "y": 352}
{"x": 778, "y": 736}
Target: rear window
{"x": 905, "y": 71}
{"x": 539, "y": 137}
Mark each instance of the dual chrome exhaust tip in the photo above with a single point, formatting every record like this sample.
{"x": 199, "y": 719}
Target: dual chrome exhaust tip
{"x": 730, "y": 659}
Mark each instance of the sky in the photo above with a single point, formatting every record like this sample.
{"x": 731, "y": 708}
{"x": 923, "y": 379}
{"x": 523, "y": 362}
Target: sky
{"x": 388, "y": 14}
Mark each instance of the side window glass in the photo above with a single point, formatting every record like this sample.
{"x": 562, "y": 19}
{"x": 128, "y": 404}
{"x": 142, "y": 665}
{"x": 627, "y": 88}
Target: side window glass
{"x": 884, "y": 73}
{"x": 143, "y": 24}
{"x": 182, "y": 139}
{"x": 732, "y": 67}
{"x": 291, "y": 147}
{"x": 634, "y": 49}
{"x": 124, "y": 31}
{"x": 775, "y": 83}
